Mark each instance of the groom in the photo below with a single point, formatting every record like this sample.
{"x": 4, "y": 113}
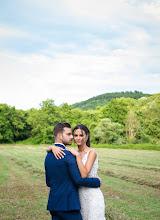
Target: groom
{"x": 63, "y": 178}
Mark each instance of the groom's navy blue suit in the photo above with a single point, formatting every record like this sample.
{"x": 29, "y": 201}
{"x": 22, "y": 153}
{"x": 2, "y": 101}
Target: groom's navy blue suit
{"x": 63, "y": 178}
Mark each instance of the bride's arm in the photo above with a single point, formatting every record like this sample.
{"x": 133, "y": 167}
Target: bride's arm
{"x": 84, "y": 170}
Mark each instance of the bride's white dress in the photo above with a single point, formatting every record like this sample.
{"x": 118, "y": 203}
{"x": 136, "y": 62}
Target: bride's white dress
{"x": 91, "y": 199}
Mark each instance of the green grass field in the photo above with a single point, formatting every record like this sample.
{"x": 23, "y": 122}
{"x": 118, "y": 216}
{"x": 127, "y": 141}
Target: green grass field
{"x": 130, "y": 183}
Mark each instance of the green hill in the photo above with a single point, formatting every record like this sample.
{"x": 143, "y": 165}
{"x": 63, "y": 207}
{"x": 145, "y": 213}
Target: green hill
{"x": 104, "y": 99}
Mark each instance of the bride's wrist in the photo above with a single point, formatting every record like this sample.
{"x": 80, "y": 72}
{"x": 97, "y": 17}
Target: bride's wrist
{"x": 49, "y": 149}
{"x": 53, "y": 147}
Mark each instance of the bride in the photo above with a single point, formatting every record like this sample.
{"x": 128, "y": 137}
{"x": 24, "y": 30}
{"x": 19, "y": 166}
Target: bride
{"x": 91, "y": 199}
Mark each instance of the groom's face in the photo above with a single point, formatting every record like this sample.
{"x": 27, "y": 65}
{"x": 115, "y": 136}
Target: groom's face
{"x": 67, "y": 136}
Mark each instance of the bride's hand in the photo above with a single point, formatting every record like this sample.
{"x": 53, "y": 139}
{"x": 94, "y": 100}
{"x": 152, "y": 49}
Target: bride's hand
{"x": 73, "y": 151}
{"x": 99, "y": 180}
{"x": 57, "y": 151}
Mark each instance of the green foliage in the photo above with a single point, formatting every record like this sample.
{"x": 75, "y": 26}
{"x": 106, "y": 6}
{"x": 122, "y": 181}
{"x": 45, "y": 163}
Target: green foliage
{"x": 89, "y": 118}
{"x": 65, "y": 112}
{"x": 28, "y": 141}
{"x": 42, "y": 122}
{"x": 104, "y": 99}
{"x": 139, "y": 118}
{"x": 143, "y": 138}
{"x": 148, "y": 112}
{"x": 46, "y": 104}
{"x": 132, "y": 127}
{"x": 108, "y": 132}
{"x": 13, "y": 124}
{"x": 117, "y": 109}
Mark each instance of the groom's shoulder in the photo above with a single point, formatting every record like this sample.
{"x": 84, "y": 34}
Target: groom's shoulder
{"x": 68, "y": 154}
{"x": 49, "y": 156}
{"x": 70, "y": 158}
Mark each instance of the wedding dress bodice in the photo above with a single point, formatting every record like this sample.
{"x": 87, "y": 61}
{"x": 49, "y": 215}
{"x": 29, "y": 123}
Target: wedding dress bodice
{"x": 94, "y": 169}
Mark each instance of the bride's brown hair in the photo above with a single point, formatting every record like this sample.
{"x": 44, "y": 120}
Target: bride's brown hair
{"x": 86, "y": 130}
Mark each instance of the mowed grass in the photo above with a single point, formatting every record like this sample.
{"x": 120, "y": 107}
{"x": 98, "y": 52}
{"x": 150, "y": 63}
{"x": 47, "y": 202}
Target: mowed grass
{"x": 130, "y": 183}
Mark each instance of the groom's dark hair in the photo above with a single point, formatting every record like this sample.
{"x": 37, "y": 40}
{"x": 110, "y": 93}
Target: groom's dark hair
{"x": 59, "y": 128}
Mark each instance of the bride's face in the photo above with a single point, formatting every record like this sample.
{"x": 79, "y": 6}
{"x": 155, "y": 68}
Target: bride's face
{"x": 80, "y": 137}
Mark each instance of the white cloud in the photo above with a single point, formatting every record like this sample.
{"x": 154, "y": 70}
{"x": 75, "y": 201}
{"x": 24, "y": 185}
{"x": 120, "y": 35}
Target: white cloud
{"x": 140, "y": 36}
{"x": 114, "y": 12}
{"x": 98, "y": 9}
{"x": 152, "y": 9}
{"x": 6, "y": 31}
{"x": 29, "y": 79}
{"x": 115, "y": 48}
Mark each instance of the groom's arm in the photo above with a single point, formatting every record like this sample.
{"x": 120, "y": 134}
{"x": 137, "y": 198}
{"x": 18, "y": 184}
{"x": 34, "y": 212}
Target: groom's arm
{"x": 76, "y": 176}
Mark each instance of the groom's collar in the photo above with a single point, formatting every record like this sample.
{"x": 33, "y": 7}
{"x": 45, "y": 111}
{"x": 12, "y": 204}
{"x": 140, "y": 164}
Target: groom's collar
{"x": 60, "y": 145}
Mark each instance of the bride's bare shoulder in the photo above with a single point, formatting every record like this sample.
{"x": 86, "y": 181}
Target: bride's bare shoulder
{"x": 92, "y": 152}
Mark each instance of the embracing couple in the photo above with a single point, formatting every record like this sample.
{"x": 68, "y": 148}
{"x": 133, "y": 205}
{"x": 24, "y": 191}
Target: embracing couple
{"x": 72, "y": 176}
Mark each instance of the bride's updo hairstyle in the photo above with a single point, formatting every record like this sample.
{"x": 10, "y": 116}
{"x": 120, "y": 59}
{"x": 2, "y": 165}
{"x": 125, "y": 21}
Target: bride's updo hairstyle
{"x": 86, "y": 130}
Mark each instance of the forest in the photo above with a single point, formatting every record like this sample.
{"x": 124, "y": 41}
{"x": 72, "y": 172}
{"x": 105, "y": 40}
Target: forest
{"x": 104, "y": 99}
{"x": 122, "y": 120}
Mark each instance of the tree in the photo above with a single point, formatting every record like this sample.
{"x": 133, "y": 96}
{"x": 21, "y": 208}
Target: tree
{"x": 141, "y": 118}
{"x": 46, "y": 104}
{"x": 108, "y": 132}
{"x": 117, "y": 109}
{"x": 65, "y": 112}
{"x": 148, "y": 112}
{"x": 43, "y": 121}
{"x": 6, "y": 129}
{"x": 132, "y": 126}
{"x": 13, "y": 125}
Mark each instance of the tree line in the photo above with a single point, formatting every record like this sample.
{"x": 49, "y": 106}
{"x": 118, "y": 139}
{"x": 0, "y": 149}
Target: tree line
{"x": 104, "y": 99}
{"x": 121, "y": 121}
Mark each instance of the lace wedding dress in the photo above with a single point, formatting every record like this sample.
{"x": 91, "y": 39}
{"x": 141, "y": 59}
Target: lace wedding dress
{"x": 91, "y": 199}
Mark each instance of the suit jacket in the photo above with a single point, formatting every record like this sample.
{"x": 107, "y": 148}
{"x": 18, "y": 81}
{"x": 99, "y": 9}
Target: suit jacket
{"x": 63, "y": 178}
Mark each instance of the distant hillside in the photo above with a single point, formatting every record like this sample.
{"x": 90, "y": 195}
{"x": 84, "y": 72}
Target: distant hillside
{"x": 103, "y": 99}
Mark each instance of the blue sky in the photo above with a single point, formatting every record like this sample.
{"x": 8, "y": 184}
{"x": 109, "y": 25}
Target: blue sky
{"x": 72, "y": 50}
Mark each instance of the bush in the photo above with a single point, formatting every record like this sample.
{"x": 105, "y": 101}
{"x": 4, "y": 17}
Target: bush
{"x": 108, "y": 132}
